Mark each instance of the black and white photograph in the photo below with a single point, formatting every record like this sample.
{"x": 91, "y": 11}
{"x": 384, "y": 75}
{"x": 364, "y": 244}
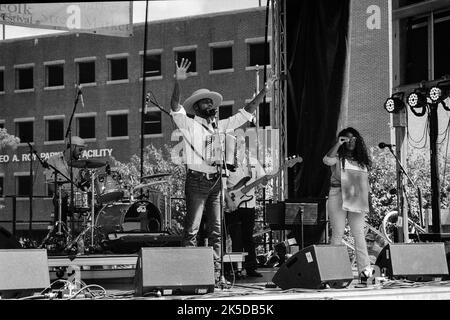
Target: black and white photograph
{"x": 222, "y": 157}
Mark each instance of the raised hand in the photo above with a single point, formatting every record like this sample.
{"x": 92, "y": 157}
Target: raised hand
{"x": 182, "y": 69}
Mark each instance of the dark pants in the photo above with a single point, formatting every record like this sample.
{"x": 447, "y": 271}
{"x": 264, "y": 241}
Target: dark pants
{"x": 240, "y": 225}
{"x": 203, "y": 197}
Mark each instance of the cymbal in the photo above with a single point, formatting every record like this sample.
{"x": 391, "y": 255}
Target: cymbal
{"x": 88, "y": 163}
{"x": 157, "y": 175}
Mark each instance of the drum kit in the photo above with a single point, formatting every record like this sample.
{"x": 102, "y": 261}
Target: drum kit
{"x": 107, "y": 206}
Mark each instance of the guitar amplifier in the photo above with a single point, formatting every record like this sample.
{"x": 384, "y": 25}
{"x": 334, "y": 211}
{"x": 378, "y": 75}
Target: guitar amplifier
{"x": 291, "y": 212}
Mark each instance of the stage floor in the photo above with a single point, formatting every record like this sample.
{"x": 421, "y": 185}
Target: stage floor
{"x": 122, "y": 288}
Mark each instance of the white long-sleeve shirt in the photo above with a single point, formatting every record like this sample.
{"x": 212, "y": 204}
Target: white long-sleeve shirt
{"x": 196, "y": 131}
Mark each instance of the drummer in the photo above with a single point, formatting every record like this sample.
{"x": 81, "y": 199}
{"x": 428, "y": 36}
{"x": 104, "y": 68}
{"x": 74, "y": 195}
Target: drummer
{"x": 62, "y": 161}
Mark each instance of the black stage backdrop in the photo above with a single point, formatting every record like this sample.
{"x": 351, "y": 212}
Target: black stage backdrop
{"x": 316, "y": 53}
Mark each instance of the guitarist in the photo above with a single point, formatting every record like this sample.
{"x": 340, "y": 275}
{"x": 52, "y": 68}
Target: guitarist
{"x": 240, "y": 215}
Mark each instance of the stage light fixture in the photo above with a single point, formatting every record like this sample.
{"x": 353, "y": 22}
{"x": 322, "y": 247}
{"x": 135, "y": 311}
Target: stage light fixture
{"x": 435, "y": 94}
{"x": 417, "y": 100}
{"x": 440, "y": 92}
{"x": 395, "y": 103}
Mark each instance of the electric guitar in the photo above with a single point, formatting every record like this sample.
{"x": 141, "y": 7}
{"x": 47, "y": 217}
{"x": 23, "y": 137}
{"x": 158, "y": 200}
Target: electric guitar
{"x": 239, "y": 196}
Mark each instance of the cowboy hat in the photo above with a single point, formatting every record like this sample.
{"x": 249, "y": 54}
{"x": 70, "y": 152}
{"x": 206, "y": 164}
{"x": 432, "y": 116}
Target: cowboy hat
{"x": 75, "y": 140}
{"x": 202, "y": 94}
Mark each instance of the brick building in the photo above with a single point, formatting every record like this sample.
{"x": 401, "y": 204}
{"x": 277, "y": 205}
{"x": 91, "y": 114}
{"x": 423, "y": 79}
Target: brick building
{"x": 38, "y": 76}
{"x": 37, "y": 91}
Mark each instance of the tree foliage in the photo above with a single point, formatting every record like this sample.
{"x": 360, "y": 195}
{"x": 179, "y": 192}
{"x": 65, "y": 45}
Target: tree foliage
{"x": 8, "y": 140}
{"x": 157, "y": 160}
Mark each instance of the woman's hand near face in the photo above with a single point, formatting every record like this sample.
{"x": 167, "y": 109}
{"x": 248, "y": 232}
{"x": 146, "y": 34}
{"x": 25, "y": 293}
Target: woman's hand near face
{"x": 342, "y": 140}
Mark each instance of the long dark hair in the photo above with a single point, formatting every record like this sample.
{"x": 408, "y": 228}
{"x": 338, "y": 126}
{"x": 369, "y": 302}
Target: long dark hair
{"x": 359, "y": 154}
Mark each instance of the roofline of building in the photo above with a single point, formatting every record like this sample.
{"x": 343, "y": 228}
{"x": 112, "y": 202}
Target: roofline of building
{"x": 140, "y": 24}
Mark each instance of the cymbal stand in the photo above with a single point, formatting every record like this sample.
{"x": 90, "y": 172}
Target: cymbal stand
{"x": 92, "y": 208}
{"x": 90, "y": 227}
{"x": 59, "y": 223}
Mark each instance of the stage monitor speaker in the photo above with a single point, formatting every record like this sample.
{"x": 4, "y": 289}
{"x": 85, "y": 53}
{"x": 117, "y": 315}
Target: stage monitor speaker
{"x": 413, "y": 261}
{"x": 314, "y": 267}
{"x": 23, "y": 272}
{"x": 7, "y": 240}
{"x": 174, "y": 271}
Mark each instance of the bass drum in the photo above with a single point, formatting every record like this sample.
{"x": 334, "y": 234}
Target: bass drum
{"x": 139, "y": 216}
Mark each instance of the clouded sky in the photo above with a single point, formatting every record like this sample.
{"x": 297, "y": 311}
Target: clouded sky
{"x": 158, "y": 10}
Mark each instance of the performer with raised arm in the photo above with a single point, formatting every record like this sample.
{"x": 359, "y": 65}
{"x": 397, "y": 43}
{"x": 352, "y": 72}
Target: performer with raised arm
{"x": 202, "y": 186}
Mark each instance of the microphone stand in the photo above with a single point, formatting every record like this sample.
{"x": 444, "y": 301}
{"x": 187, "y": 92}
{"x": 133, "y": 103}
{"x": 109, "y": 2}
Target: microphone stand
{"x": 46, "y": 165}
{"x": 69, "y": 143}
{"x": 419, "y": 193}
{"x": 223, "y": 174}
{"x": 31, "y": 191}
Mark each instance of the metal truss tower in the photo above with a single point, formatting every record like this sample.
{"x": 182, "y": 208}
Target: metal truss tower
{"x": 279, "y": 67}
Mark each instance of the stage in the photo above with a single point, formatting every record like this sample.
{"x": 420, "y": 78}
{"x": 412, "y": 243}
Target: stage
{"x": 115, "y": 275}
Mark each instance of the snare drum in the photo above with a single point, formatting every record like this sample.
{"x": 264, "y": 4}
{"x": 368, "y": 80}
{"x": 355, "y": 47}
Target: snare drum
{"x": 108, "y": 188}
{"x": 80, "y": 201}
{"x": 139, "y": 216}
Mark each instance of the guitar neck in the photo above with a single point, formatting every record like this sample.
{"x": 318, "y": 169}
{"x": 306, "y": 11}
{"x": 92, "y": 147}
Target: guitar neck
{"x": 291, "y": 162}
{"x": 247, "y": 188}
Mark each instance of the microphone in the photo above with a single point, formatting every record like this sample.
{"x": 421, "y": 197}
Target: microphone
{"x": 80, "y": 94}
{"x": 213, "y": 123}
{"x": 383, "y": 145}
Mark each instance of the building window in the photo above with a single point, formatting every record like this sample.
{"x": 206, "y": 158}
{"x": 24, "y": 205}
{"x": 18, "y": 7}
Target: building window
{"x": 421, "y": 39}
{"x": 225, "y": 111}
{"x": 54, "y": 75}
{"x": 49, "y": 191}
{"x": 190, "y": 55}
{"x": 152, "y": 122}
{"x": 23, "y": 186}
{"x": 54, "y": 130}
{"x": 86, "y": 72}
{"x": 118, "y": 69}
{"x": 152, "y": 65}
{"x": 2, "y": 192}
{"x": 2, "y": 81}
{"x": 441, "y": 45}
{"x": 417, "y": 52}
{"x": 24, "y": 78}
{"x": 221, "y": 58}
{"x": 2, "y": 125}
{"x": 259, "y": 54}
{"x": 24, "y": 131}
{"x": 118, "y": 125}
{"x": 264, "y": 114}
{"x": 86, "y": 127}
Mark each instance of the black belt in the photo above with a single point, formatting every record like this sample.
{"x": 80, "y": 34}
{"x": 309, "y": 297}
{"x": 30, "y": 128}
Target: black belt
{"x": 208, "y": 176}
